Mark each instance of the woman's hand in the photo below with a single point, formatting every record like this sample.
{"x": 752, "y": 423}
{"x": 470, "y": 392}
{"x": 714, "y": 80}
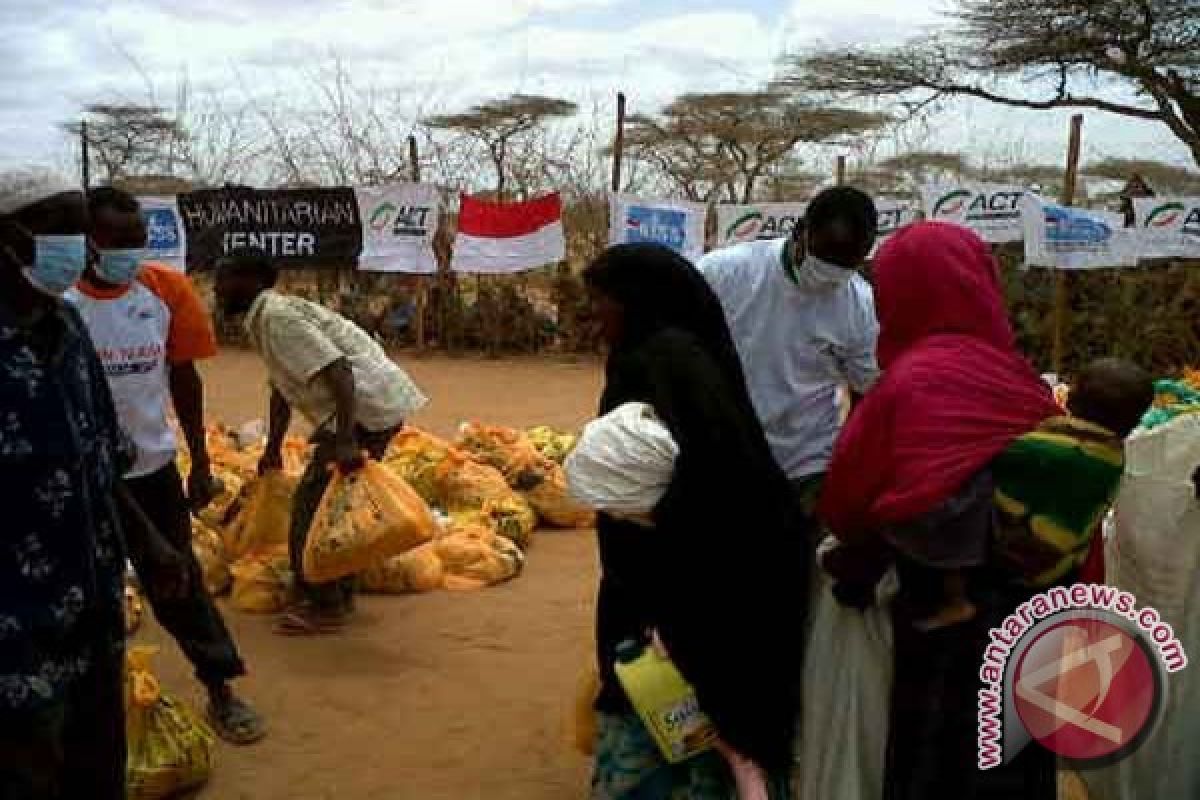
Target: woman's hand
{"x": 749, "y": 778}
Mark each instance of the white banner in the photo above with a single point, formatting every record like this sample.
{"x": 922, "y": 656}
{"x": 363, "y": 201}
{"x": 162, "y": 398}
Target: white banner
{"x": 990, "y": 209}
{"x": 893, "y": 215}
{"x": 677, "y": 225}
{"x": 1169, "y": 227}
{"x": 1076, "y": 238}
{"x": 748, "y": 223}
{"x": 166, "y": 239}
{"x": 398, "y": 225}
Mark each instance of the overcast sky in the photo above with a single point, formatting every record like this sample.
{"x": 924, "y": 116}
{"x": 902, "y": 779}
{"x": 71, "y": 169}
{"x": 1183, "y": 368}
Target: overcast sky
{"x": 58, "y": 56}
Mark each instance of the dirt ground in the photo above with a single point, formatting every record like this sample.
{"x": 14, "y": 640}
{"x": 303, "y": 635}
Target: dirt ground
{"x": 436, "y": 696}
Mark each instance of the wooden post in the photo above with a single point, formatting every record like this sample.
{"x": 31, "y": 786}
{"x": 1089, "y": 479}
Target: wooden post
{"x": 422, "y": 298}
{"x": 1062, "y": 288}
{"x": 839, "y": 174}
{"x": 85, "y": 156}
{"x": 618, "y": 143}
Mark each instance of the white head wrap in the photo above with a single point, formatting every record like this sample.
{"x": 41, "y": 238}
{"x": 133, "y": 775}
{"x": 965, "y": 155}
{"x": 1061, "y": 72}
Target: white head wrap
{"x": 20, "y": 188}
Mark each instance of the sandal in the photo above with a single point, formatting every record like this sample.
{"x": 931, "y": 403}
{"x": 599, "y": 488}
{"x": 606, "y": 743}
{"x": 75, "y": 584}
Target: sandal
{"x": 308, "y": 623}
{"x": 236, "y": 722}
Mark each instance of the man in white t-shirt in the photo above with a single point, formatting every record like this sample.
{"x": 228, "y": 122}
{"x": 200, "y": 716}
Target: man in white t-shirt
{"x": 150, "y": 328}
{"x": 803, "y": 320}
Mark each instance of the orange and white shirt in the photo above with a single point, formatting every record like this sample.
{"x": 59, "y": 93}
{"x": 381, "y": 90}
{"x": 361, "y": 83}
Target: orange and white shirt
{"x": 139, "y": 331}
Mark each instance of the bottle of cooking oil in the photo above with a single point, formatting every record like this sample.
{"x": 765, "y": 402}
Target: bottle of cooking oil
{"x": 664, "y": 701}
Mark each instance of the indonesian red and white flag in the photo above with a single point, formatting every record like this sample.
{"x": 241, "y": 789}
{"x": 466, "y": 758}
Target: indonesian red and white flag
{"x": 498, "y": 238}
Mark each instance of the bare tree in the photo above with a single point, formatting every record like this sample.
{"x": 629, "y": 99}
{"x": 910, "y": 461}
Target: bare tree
{"x": 726, "y": 144}
{"x": 924, "y": 166}
{"x": 503, "y": 126}
{"x": 1084, "y": 53}
{"x": 130, "y": 139}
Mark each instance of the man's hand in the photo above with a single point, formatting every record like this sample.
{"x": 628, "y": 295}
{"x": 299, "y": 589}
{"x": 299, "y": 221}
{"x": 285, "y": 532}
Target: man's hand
{"x": 347, "y": 454}
{"x": 272, "y": 460}
{"x": 202, "y": 487}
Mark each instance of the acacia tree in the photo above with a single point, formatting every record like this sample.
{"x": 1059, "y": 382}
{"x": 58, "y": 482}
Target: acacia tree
{"x": 727, "y": 143}
{"x": 1137, "y": 59}
{"x": 130, "y": 139}
{"x": 503, "y": 126}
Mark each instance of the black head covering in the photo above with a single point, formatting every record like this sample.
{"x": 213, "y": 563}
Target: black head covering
{"x": 659, "y": 289}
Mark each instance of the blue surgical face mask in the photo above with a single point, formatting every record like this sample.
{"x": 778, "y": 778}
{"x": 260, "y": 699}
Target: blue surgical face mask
{"x": 120, "y": 266}
{"x": 58, "y": 263}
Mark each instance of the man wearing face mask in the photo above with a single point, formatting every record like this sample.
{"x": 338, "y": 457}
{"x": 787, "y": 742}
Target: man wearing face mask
{"x": 150, "y": 327}
{"x": 62, "y": 557}
{"x": 803, "y": 320}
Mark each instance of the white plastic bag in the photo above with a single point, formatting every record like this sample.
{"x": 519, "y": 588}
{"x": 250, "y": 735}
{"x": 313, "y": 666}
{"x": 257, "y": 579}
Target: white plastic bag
{"x": 623, "y": 462}
{"x": 841, "y": 744}
{"x": 1154, "y": 553}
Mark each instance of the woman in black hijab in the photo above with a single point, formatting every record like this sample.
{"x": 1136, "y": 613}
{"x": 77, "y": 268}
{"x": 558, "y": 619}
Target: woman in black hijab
{"x": 722, "y": 578}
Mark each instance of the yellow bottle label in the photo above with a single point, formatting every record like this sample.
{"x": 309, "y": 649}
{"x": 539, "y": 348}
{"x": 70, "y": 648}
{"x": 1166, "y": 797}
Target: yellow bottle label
{"x": 667, "y": 706}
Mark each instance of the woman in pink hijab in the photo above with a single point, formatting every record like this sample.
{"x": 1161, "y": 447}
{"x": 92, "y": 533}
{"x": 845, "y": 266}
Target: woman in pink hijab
{"x": 909, "y": 483}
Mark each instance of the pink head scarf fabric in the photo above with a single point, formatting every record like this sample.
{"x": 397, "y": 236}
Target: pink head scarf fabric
{"x": 955, "y": 390}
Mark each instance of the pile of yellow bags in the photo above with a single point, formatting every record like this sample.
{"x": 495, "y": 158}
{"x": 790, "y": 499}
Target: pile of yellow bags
{"x": 170, "y": 747}
{"x": 464, "y": 555}
{"x": 539, "y": 479}
{"x": 364, "y": 517}
{"x": 419, "y": 570}
{"x": 494, "y": 484}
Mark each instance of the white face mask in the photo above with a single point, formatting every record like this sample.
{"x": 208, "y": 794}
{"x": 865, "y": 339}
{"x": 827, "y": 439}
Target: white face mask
{"x": 818, "y": 275}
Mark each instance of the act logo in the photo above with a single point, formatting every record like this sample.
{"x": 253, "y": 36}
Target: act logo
{"x": 952, "y": 203}
{"x": 979, "y": 206}
{"x": 381, "y": 218}
{"x": 1165, "y": 216}
{"x": 745, "y": 228}
{"x": 758, "y": 225}
{"x": 388, "y": 218}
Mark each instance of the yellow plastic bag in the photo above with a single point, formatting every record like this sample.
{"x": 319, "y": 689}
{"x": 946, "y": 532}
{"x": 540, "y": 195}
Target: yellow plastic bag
{"x": 210, "y": 555}
{"x": 265, "y": 515}
{"x": 418, "y": 570}
{"x": 415, "y": 457}
{"x": 363, "y": 518}
{"x": 262, "y": 581}
{"x": 554, "y": 445}
{"x": 583, "y": 727}
{"x": 465, "y": 485}
{"x": 474, "y": 557}
{"x": 554, "y": 505}
{"x": 170, "y": 747}
{"x": 224, "y": 505}
{"x": 506, "y": 449}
